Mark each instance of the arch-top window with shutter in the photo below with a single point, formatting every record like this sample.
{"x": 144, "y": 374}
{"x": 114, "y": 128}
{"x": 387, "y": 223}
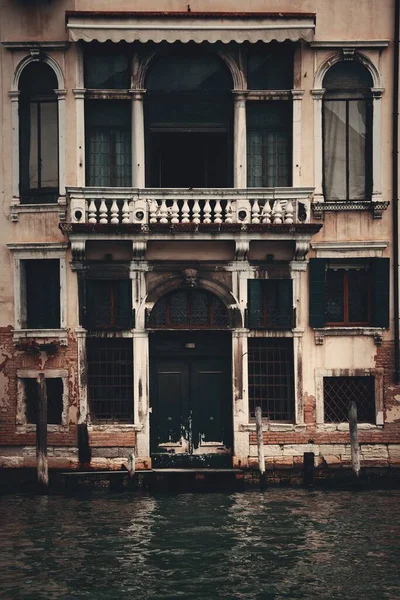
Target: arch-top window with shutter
{"x": 347, "y": 132}
{"x": 38, "y": 114}
{"x": 189, "y": 309}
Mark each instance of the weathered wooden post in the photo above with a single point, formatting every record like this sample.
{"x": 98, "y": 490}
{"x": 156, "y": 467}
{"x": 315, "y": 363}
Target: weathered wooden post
{"x": 84, "y": 451}
{"x": 131, "y": 464}
{"x": 260, "y": 446}
{"x": 41, "y": 434}
{"x": 355, "y": 447}
{"x": 308, "y": 465}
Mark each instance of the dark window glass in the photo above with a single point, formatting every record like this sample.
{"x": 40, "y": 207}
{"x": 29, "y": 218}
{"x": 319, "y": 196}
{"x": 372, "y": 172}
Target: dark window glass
{"x": 189, "y": 309}
{"x": 340, "y": 391}
{"x": 270, "y": 67}
{"x": 347, "y": 296}
{"x": 269, "y": 144}
{"x": 108, "y": 304}
{"x": 54, "y": 389}
{"x": 38, "y": 134}
{"x": 42, "y": 279}
{"x": 347, "y": 126}
{"x": 271, "y": 378}
{"x": 107, "y": 66}
{"x": 110, "y": 380}
{"x": 108, "y": 143}
{"x": 270, "y": 304}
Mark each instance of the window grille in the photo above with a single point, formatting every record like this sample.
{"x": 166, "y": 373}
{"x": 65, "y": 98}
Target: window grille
{"x": 195, "y": 309}
{"x": 340, "y": 391}
{"x": 271, "y": 378}
{"x": 110, "y": 380}
{"x": 54, "y": 388}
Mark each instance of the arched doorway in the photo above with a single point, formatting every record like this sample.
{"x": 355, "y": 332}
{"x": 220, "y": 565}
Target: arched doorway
{"x": 190, "y": 380}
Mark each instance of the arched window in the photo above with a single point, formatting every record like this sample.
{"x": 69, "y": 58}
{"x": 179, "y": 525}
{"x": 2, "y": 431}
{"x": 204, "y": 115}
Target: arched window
{"x": 347, "y": 132}
{"x": 38, "y": 143}
{"x": 189, "y": 309}
{"x": 188, "y": 119}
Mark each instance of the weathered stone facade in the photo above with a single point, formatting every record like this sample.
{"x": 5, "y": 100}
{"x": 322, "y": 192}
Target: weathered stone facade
{"x": 180, "y": 307}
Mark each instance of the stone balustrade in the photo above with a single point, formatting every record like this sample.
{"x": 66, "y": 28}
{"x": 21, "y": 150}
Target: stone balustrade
{"x": 116, "y": 206}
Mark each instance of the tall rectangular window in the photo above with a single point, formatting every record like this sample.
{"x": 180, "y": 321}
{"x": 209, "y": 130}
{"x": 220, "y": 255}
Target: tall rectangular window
{"x": 107, "y": 304}
{"x": 271, "y": 378}
{"x": 41, "y": 284}
{"x": 110, "y": 380}
{"x": 269, "y": 144}
{"x": 108, "y": 143}
{"x": 270, "y": 304}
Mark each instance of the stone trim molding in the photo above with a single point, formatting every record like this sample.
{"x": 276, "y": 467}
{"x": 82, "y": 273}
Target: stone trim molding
{"x": 322, "y": 332}
{"x": 376, "y": 208}
{"x": 334, "y": 250}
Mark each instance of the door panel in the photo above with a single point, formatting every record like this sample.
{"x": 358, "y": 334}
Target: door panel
{"x": 210, "y": 402}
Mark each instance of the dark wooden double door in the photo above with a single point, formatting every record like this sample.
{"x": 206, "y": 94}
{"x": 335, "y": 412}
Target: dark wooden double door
{"x": 191, "y": 399}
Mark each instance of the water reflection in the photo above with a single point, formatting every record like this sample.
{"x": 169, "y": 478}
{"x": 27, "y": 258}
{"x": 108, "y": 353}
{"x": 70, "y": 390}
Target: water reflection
{"x": 284, "y": 544}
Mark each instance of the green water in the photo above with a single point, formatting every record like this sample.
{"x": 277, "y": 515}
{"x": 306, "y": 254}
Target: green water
{"x": 281, "y": 544}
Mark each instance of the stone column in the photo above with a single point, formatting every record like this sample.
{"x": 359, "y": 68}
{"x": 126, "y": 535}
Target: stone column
{"x": 14, "y": 95}
{"x": 80, "y": 136}
{"x": 297, "y": 96}
{"x": 82, "y": 375}
{"x": 138, "y": 150}
{"x": 297, "y": 268}
{"x": 240, "y": 378}
{"x": 377, "y": 144}
{"x": 61, "y": 94}
{"x": 318, "y": 174}
{"x": 239, "y": 139}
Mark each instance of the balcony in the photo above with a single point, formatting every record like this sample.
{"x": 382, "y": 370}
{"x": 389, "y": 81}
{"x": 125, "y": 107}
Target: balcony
{"x": 278, "y": 213}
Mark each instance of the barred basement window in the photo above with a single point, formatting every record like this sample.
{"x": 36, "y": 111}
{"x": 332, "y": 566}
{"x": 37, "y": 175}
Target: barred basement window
{"x": 271, "y": 378}
{"x": 55, "y": 388}
{"x": 340, "y": 391}
{"x": 110, "y": 380}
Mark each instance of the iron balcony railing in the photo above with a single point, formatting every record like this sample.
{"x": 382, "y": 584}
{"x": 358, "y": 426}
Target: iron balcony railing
{"x": 115, "y": 206}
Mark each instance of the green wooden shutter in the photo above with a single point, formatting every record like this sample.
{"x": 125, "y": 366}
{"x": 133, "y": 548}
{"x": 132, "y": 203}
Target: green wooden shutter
{"x": 285, "y": 303}
{"x": 317, "y": 292}
{"x": 82, "y": 300}
{"x": 123, "y": 304}
{"x": 380, "y": 274}
{"x": 254, "y": 303}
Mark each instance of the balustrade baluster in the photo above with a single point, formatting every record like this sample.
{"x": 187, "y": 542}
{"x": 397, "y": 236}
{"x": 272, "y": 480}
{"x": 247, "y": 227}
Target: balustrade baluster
{"x": 175, "y": 212}
{"x": 114, "y": 213}
{"x": 228, "y": 212}
{"x": 185, "y": 212}
{"x": 125, "y": 212}
{"x": 277, "y": 213}
{"x": 255, "y": 212}
{"x": 103, "y": 212}
{"x": 163, "y": 212}
{"x": 288, "y": 212}
{"x": 218, "y": 212}
{"x": 266, "y": 212}
{"x": 153, "y": 211}
{"x": 92, "y": 212}
{"x": 196, "y": 212}
{"x": 207, "y": 212}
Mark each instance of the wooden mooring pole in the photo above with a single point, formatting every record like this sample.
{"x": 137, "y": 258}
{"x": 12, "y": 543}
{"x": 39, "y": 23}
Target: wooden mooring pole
{"x": 355, "y": 447}
{"x": 131, "y": 464}
{"x": 41, "y": 434}
{"x": 260, "y": 446}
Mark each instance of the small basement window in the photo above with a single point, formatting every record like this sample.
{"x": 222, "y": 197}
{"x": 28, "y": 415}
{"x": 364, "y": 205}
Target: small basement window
{"x": 340, "y": 391}
{"x": 55, "y": 389}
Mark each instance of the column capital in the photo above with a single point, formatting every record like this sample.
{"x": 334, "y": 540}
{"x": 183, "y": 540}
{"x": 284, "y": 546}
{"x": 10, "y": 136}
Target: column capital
{"x": 60, "y": 94}
{"x": 14, "y": 95}
{"x": 137, "y": 94}
{"x": 297, "y": 94}
{"x": 240, "y": 95}
{"x": 317, "y": 94}
{"x": 79, "y": 93}
{"x": 377, "y": 93}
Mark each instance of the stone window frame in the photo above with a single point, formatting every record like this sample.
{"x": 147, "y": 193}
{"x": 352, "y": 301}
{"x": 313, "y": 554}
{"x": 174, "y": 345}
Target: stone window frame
{"x": 320, "y": 374}
{"x": 22, "y": 426}
{"x": 36, "y": 54}
{"x": 39, "y": 251}
{"x": 345, "y": 51}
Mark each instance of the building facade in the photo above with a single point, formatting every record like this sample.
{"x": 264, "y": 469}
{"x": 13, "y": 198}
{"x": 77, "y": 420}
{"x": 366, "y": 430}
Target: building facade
{"x": 199, "y": 217}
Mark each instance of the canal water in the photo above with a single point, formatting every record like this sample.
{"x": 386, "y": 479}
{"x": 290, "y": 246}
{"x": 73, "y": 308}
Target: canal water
{"x": 280, "y": 544}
